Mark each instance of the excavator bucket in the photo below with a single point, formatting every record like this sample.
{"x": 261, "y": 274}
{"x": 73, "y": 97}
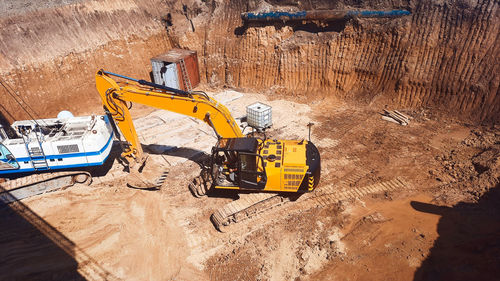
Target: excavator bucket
{"x": 139, "y": 181}
{"x": 201, "y": 184}
{"x": 143, "y": 177}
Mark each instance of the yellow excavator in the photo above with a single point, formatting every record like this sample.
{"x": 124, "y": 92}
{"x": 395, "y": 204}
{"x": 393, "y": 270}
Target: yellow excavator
{"x": 236, "y": 162}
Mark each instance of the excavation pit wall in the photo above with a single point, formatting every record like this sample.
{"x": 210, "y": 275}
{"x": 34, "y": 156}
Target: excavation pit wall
{"x": 444, "y": 57}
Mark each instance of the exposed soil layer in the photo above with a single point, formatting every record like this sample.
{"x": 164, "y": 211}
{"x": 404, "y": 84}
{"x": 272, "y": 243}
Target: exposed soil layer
{"x": 445, "y": 56}
{"x": 50, "y": 55}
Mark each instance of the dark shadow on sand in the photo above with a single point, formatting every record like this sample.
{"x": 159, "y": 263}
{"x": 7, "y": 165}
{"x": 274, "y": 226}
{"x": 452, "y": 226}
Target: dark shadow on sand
{"x": 468, "y": 246}
{"x": 31, "y": 249}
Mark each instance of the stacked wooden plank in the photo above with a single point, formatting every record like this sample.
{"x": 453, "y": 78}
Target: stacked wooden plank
{"x": 396, "y": 117}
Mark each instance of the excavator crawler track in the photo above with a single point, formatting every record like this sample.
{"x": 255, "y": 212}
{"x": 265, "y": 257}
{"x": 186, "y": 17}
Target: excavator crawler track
{"x": 250, "y": 205}
{"x": 21, "y": 188}
{"x": 246, "y": 207}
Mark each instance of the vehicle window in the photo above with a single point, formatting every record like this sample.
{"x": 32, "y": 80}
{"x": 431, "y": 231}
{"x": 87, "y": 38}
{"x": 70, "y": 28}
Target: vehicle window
{"x": 248, "y": 163}
{"x": 4, "y": 152}
{"x": 3, "y": 136}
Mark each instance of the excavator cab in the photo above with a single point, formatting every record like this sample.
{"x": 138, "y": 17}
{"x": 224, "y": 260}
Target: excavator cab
{"x": 236, "y": 164}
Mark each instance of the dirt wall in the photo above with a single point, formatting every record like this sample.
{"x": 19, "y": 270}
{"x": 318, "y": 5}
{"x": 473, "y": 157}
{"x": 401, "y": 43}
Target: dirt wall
{"x": 50, "y": 55}
{"x": 445, "y": 56}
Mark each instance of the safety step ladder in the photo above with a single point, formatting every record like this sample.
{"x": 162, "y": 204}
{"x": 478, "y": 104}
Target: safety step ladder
{"x": 38, "y": 158}
{"x": 185, "y": 76}
{"x": 35, "y": 152}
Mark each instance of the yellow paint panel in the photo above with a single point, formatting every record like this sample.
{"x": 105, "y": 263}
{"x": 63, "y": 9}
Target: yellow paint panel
{"x": 294, "y": 154}
{"x": 226, "y": 187}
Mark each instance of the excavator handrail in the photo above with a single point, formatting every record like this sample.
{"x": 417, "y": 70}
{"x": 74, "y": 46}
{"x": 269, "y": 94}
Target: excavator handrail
{"x": 115, "y": 96}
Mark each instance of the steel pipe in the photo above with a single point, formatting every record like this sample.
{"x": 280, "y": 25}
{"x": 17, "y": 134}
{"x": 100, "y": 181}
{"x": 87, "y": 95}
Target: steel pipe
{"x": 321, "y": 15}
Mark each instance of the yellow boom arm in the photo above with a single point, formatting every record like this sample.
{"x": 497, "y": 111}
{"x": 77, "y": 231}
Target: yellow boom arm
{"x": 115, "y": 96}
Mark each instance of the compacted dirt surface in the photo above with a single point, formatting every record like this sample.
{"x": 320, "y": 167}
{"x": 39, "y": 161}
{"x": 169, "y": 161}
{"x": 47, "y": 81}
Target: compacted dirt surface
{"x": 394, "y": 203}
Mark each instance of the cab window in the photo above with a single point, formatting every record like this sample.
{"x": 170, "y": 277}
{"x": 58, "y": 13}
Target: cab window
{"x": 251, "y": 174}
{"x": 8, "y": 160}
{"x": 248, "y": 163}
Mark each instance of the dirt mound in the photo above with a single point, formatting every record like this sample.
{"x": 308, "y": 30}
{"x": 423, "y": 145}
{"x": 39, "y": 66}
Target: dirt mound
{"x": 471, "y": 169}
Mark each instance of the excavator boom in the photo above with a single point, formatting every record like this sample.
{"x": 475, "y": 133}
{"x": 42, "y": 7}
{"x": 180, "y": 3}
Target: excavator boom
{"x": 115, "y": 96}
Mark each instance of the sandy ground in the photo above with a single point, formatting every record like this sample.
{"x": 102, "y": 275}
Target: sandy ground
{"x": 386, "y": 228}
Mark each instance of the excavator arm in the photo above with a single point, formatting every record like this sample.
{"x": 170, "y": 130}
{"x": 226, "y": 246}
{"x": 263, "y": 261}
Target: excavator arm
{"x": 116, "y": 94}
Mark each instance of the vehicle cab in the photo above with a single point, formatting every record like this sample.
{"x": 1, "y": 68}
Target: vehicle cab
{"x": 237, "y": 165}
{"x": 7, "y": 159}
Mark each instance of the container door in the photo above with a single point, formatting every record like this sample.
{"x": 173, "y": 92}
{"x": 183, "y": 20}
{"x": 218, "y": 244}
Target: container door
{"x": 157, "y": 66}
{"x": 169, "y": 75}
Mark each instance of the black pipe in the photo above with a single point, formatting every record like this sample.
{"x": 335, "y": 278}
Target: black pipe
{"x": 154, "y": 85}
{"x": 147, "y": 83}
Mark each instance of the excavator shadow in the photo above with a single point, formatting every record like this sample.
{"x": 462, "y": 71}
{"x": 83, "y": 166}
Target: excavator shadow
{"x": 224, "y": 193}
{"x": 200, "y": 184}
{"x": 191, "y": 154}
{"x": 203, "y": 160}
{"x": 201, "y": 181}
{"x": 235, "y": 194}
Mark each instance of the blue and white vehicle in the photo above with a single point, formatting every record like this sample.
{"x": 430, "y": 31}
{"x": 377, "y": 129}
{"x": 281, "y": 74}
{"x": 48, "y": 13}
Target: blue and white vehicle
{"x": 52, "y": 145}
